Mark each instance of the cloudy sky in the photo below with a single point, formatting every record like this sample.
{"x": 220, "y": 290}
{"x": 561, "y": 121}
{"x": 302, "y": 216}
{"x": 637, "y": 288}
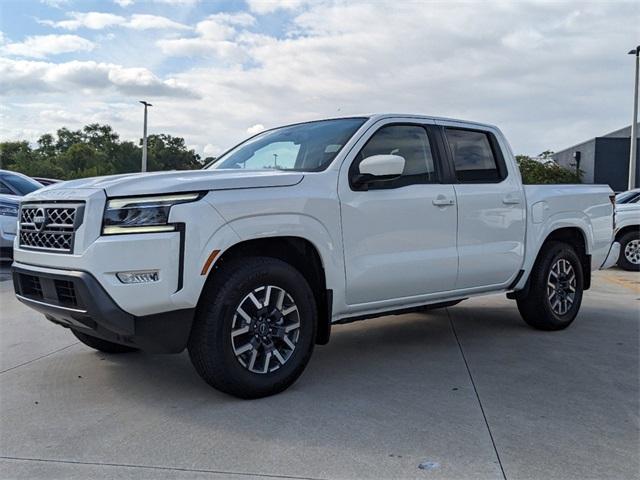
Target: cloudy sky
{"x": 549, "y": 73}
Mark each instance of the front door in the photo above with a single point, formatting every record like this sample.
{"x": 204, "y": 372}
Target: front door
{"x": 399, "y": 235}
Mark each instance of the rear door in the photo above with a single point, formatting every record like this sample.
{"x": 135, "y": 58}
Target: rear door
{"x": 491, "y": 206}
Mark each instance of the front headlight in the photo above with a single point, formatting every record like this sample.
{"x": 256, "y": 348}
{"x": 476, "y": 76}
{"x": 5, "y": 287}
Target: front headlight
{"x": 8, "y": 209}
{"x": 142, "y": 214}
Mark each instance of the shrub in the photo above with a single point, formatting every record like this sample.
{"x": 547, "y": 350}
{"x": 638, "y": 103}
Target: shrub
{"x": 545, "y": 171}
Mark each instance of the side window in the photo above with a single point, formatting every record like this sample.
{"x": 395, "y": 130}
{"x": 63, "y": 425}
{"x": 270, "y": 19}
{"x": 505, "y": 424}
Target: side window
{"x": 473, "y": 156}
{"x": 5, "y": 190}
{"x": 410, "y": 142}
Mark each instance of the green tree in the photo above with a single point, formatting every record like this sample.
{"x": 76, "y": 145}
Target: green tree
{"x": 94, "y": 150}
{"x": 545, "y": 171}
{"x": 46, "y": 146}
{"x": 166, "y": 152}
{"x": 126, "y": 158}
{"x": 10, "y": 152}
{"x": 67, "y": 137}
{"x": 84, "y": 160}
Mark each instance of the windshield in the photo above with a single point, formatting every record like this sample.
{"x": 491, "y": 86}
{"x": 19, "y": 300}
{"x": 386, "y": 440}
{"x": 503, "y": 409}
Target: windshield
{"x": 304, "y": 147}
{"x": 628, "y": 197}
{"x": 20, "y": 184}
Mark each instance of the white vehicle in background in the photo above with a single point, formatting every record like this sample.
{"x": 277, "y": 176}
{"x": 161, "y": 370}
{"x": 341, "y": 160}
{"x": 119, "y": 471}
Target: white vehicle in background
{"x": 628, "y": 229}
{"x": 249, "y": 262}
{"x": 12, "y": 186}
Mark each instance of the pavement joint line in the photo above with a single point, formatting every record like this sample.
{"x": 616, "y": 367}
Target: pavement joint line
{"x": 158, "y": 467}
{"x": 475, "y": 389}
{"x": 38, "y": 358}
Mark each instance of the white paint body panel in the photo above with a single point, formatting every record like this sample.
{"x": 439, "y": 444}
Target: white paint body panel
{"x": 380, "y": 250}
{"x": 627, "y": 214}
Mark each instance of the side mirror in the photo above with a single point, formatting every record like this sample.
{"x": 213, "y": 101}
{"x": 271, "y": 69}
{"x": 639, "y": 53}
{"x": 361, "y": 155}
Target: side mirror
{"x": 379, "y": 168}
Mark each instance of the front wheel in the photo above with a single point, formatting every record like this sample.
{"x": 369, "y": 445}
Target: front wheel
{"x": 255, "y": 327}
{"x": 555, "y": 289}
{"x": 630, "y": 251}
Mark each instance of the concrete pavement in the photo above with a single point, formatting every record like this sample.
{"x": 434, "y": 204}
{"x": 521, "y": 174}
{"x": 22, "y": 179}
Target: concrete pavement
{"x": 469, "y": 392}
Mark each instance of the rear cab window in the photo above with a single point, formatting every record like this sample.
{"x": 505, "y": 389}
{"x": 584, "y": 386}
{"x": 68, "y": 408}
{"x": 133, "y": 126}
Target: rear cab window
{"x": 476, "y": 156}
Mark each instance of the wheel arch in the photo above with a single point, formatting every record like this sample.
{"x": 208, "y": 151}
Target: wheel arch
{"x": 574, "y": 236}
{"x": 577, "y": 238}
{"x": 626, "y": 229}
{"x": 301, "y": 254}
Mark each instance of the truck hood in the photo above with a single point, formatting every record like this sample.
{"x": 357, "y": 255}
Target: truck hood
{"x": 627, "y": 207}
{"x": 178, "y": 181}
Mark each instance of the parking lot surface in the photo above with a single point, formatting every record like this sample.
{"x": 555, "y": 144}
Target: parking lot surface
{"x": 464, "y": 392}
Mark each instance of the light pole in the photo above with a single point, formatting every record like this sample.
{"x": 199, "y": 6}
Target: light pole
{"x": 634, "y": 123}
{"x": 144, "y": 136}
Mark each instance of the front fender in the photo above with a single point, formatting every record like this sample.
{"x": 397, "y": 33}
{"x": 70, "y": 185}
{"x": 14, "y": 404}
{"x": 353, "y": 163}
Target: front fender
{"x": 296, "y": 225}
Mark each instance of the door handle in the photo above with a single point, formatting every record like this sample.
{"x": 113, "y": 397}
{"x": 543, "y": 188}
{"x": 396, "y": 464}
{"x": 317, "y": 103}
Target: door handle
{"x": 511, "y": 200}
{"x": 442, "y": 201}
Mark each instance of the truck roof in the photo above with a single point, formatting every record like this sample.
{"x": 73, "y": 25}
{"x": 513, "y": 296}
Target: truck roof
{"x": 381, "y": 116}
{"x": 378, "y": 116}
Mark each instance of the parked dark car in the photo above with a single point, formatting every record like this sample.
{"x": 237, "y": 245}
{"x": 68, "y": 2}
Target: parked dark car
{"x": 14, "y": 183}
{"x": 46, "y": 181}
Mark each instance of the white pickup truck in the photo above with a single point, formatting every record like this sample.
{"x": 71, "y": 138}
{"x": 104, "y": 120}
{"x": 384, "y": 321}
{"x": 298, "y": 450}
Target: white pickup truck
{"x": 249, "y": 262}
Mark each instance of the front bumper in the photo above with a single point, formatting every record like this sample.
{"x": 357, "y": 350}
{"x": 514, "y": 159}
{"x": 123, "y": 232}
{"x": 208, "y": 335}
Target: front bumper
{"x": 612, "y": 258}
{"x": 75, "y": 299}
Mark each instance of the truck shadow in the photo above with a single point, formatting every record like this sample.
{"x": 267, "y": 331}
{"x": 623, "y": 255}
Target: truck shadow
{"x": 386, "y": 354}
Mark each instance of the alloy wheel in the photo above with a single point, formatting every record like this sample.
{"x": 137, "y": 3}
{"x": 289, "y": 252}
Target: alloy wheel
{"x": 265, "y": 329}
{"x": 632, "y": 251}
{"x": 561, "y": 286}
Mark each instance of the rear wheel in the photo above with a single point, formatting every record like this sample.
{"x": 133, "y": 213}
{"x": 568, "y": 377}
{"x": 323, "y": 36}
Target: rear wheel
{"x": 255, "y": 328}
{"x": 555, "y": 289}
{"x": 630, "y": 251}
{"x": 102, "y": 345}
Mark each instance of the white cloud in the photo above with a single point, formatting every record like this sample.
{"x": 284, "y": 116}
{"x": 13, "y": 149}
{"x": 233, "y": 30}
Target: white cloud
{"x": 33, "y": 77}
{"x": 100, "y": 21}
{"x": 127, "y": 3}
{"x": 41, "y": 46}
{"x": 147, "y": 22}
{"x": 60, "y": 116}
{"x": 262, "y": 7}
{"x": 55, "y": 3}
{"x": 527, "y": 39}
{"x": 178, "y": 2}
{"x": 211, "y": 150}
{"x": 254, "y": 129}
{"x": 214, "y": 37}
{"x": 90, "y": 20}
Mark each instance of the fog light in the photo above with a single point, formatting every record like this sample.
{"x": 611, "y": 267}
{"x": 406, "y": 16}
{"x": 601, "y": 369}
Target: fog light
{"x": 146, "y": 276}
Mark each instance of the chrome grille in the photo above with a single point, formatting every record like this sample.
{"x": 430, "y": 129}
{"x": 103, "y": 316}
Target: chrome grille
{"x": 49, "y": 226}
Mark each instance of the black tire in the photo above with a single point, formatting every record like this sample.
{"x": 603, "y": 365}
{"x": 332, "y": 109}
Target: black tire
{"x": 629, "y": 251}
{"x": 102, "y": 345}
{"x": 210, "y": 344}
{"x": 537, "y": 308}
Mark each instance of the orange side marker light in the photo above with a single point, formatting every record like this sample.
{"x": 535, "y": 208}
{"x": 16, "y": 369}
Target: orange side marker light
{"x": 207, "y": 264}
